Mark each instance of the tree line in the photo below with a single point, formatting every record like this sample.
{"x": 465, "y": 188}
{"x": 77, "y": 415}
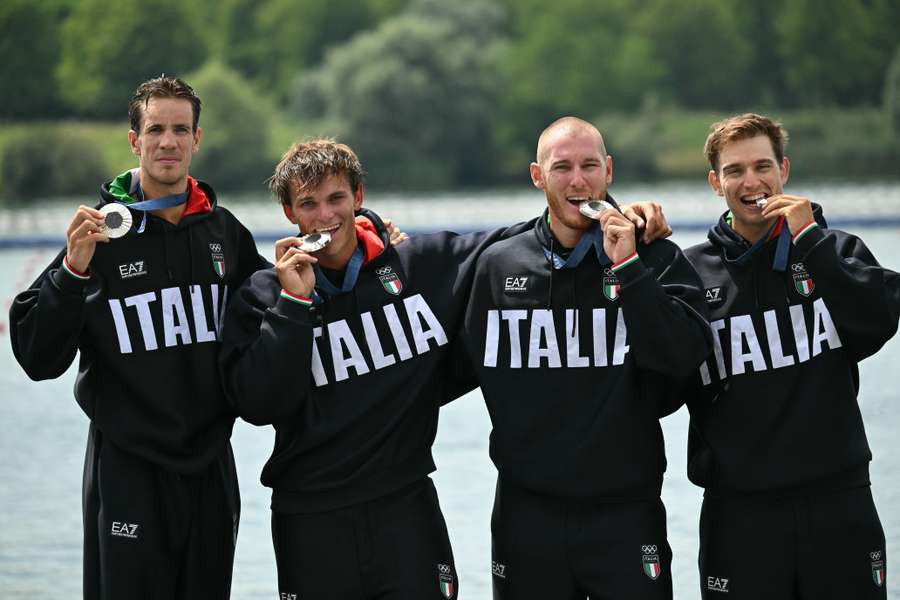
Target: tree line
{"x": 443, "y": 92}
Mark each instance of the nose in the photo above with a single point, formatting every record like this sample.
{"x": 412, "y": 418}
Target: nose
{"x": 578, "y": 179}
{"x": 167, "y": 139}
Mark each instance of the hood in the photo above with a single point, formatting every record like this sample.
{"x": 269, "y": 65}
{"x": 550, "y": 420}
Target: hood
{"x": 372, "y": 234}
{"x": 123, "y": 189}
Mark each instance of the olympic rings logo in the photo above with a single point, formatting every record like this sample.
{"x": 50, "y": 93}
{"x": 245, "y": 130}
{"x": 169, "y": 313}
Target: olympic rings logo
{"x": 445, "y": 569}
{"x": 383, "y": 271}
{"x": 798, "y": 267}
{"x": 875, "y": 555}
{"x": 648, "y": 548}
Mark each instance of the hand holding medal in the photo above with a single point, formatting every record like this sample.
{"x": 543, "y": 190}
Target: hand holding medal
{"x": 294, "y": 261}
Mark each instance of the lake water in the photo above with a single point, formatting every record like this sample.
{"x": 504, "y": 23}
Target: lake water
{"x": 43, "y": 432}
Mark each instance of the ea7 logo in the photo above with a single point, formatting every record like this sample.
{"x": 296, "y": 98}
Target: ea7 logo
{"x": 127, "y": 530}
{"x": 515, "y": 284}
{"x": 498, "y": 569}
{"x": 717, "y": 584}
{"x": 287, "y": 596}
{"x": 133, "y": 269}
{"x": 714, "y": 295}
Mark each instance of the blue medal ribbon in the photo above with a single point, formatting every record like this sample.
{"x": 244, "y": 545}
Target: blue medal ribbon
{"x": 351, "y": 274}
{"x": 145, "y": 206}
{"x": 593, "y": 237}
{"x": 782, "y": 248}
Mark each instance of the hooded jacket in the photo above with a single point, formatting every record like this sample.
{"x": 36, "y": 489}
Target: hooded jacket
{"x": 146, "y": 323}
{"x": 574, "y": 362}
{"x": 775, "y": 407}
{"x": 353, "y": 384}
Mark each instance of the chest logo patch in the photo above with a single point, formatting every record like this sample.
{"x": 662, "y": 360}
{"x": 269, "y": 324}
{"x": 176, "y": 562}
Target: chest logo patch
{"x": 611, "y": 286}
{"x": 878, "y": 569}
{"x": 650, "y": 558}
{"x": 515, "y": 284}
{"x": 132, "y": 269}
{"x": 714, "y": 295}
{"x": 803, "y": 283}
{"x": 218, "y": 259}
{"x": 389, "y": 280}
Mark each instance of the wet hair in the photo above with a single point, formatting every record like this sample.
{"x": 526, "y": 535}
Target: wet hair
{"x": 743, "y": 127}
{"x": 161, "y": 87}
{"x": 306, "y": 164}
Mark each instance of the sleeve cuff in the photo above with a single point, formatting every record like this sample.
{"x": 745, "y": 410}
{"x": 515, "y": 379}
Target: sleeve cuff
{"x": 71, "y": 271}
{"x": 629, "y": 269}
{"x": 293, "y": 306}
{"x": 807, "y": 237}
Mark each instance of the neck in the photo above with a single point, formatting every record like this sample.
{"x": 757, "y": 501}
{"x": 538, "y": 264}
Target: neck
{"x": 751, "y": 233}
{"x": 338, "y": 262}
{"x": 154, "y": 189}
{"x": 566, "y": 236}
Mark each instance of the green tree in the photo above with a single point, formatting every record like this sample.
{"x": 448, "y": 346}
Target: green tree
{"x": 705, "y": 51}
{"x": 576, "y": 57}
{"x": 269, "y": 42}
{"x": 108, "y": 48}
{"x": 30, "y": 49}
{"x": 46, "y": 161}
{"x": 233, "y": 152}
{"x": 835, "y": 51}
{"x": 417, "y": 97}
{"x": 892, "y": 93}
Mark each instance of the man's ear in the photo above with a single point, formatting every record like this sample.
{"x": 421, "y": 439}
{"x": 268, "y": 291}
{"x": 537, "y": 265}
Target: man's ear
{"x": 785, "y": 170}
{"x": 196, "y": 145}
{"x": 288, "y": 213}
{"x": 133, "y": 142}
{"x": 714, "y": 183}
{"x": 358, "y": 197}
{"x": 537, "y": 175}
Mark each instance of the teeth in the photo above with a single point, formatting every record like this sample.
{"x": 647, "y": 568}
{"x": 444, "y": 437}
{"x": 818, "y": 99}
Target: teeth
{"x": 578, "y": 198}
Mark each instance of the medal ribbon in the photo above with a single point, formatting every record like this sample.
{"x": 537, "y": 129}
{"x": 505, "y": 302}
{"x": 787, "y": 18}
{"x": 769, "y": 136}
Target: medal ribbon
{"x": 593, "y": 237}
{"x": 324, "y": 285}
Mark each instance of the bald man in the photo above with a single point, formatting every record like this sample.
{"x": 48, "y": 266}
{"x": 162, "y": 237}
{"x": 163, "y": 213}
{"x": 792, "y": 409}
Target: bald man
{"x": 575, "y": 329}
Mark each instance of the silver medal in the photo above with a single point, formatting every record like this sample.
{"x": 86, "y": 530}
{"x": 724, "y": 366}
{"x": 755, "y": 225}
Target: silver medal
{"x": 315, "y": 241}
{"x": 592, "y": 209}
{"x": 762, "y": 202}
{"x": 116, "y": 220}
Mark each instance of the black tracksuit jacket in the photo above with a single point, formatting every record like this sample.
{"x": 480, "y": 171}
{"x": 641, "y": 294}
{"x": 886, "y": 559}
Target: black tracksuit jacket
{"x": 575, "y": 401}
{"x": 775, "y": 408}
{"x": 146, "y": 325}
{"x": 354, "y": 384}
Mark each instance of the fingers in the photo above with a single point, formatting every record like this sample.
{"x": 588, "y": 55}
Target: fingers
{"x": 85, "y": 214}
{"x": 296, "y": 258}
{"x": 398, "y": 238}
{"x": 633, "y": 213}
{"x": 285, "y": 244}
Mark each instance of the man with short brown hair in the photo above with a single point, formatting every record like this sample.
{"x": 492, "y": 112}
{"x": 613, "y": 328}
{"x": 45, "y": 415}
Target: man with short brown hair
{"x": 143, "y": 311}
{"x": 776, "y": 437}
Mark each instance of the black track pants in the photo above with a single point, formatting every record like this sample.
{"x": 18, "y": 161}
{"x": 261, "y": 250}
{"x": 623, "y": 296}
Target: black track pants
{"x": 555, "y": 548}
{"x": 392, "y": 548}
{"x": 150, "y": 534}
{"x": 824, "y": 546}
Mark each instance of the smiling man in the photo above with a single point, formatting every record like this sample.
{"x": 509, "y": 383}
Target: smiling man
{"x": 576, "y": 330}
{"x": 776, "y": 437}
{"x": 160, "y": 502}
{"x": 349, "y": 351}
